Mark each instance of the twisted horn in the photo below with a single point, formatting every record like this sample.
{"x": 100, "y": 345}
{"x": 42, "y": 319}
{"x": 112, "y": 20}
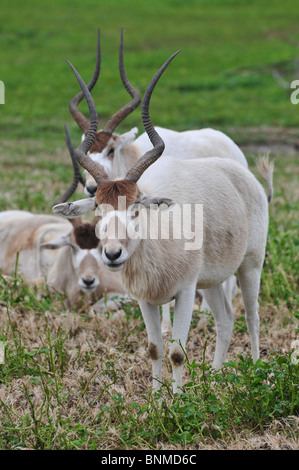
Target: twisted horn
{"x": 80, "y": 119}
{"x": 152, "y": 155}
{"x": 76, "y": 166}
{"x": 77, "y": 173}
{"x": 94, "y": 168}
{"x": 122, "y": 113}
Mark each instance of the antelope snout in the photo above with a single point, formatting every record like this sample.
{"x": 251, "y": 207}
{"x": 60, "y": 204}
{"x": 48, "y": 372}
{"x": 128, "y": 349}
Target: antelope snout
{"x": 114, "y": 256}
{"x": 88, "y": 283}
{"x": 90, "y": 189}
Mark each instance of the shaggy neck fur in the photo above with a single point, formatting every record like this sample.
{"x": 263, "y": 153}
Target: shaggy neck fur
{"x": 109, "y": 192}
{"x": 157, "y": 282}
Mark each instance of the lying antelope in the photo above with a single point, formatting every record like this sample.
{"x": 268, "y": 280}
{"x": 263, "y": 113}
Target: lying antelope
{"x": 118, "y": 153}
{"x": 65, "y": 255}
{"x": 78, "y": 267}
{"x": 155, "y": 270}
{"x": 21, "y": 236}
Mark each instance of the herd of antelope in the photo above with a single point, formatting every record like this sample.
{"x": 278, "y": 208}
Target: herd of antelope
{"x": 142, "y": 182}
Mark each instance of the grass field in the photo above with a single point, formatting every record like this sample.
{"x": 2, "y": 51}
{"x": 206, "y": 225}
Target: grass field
{"x": 76, "y": 380}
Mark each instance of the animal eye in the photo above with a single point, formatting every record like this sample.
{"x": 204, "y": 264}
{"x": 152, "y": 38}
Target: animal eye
{"x": 110, "y": 152}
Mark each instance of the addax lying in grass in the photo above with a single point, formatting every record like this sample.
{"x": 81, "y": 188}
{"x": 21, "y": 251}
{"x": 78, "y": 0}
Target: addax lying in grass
{"x": 65, "y": 254}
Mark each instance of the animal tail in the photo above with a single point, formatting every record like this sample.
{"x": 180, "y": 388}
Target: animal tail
{"x": 265, "y": 169}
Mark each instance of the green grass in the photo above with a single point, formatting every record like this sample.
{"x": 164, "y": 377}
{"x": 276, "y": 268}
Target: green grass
{"x": 73, "y": 380}
{"x": 223, "y": 76}
{"x": 280, "y": 275}
{"x": 51, "y": 412}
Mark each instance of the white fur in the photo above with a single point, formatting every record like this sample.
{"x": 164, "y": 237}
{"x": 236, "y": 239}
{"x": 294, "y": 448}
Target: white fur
{"x": 155, "y": 271}
{"x": 46, "y": 251}
{"x": 201, "y": 143}
{"x": 184, "y": 145}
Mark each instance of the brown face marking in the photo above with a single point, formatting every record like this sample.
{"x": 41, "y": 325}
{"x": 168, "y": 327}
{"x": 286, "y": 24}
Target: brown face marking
{"x": 109, "y": 192}
{"x": 85, "y": 236}
{"x": 100, "y": 142}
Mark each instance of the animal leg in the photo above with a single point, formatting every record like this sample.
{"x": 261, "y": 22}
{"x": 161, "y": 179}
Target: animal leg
{"x": 166, "y": 322}
{"x": 224, "y": 321}
{"x": 249, "y": 278}
{"x": 230, "y": 290}
{"x": 204, "y": 306}
{"x": 183, "y": 310}
{"x": 151, "y": 317}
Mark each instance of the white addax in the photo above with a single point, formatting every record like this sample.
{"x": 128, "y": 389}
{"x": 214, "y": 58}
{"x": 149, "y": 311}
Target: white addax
{"x": 157, "y": 269}
{"x": 117, "y": 153}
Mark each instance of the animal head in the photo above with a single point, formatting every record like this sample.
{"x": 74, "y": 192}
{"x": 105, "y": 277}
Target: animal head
{"x": 83, "y": 253}
{"x": 116, "y": 157}
{"x": 114, "y": 152}
{"x": 114, "y": 200}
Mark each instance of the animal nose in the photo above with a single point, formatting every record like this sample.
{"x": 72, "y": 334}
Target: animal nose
{"x": 88, "y": 281}
{"x": 91, "y": 189}
{"x": 114, "y": 255}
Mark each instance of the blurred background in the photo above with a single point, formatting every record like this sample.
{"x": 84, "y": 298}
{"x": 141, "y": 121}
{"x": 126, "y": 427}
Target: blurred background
{"x": 234, "y": 73}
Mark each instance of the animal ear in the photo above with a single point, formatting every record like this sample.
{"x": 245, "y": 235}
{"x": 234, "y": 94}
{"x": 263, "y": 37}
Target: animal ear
{"x": 128, "y": 137}
{"x": 155, "y": 202}
{"x": 58, "y": 242}
{"x": 71, "y": 210}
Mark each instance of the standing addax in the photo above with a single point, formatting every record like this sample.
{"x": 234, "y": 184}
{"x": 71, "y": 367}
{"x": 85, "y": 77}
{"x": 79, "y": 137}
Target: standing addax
{"x": 117, "y": 153}
{"x": 156, "y": 269}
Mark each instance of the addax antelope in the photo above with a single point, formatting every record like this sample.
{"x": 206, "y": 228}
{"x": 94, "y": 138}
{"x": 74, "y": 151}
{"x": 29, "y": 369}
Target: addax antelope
{"x": 231, "y": 236}
{"x": 118, "y": 153}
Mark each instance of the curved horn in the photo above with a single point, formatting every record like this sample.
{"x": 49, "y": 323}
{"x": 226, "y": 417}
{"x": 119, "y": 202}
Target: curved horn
{"x": 80, "y": 119}
{"x": 77, "y": 173}
{"x": 76, "y": 166}
{"x": 122, "y": 113}
{"x": 94, "y": 168}
{"x": 152, "y": 155}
